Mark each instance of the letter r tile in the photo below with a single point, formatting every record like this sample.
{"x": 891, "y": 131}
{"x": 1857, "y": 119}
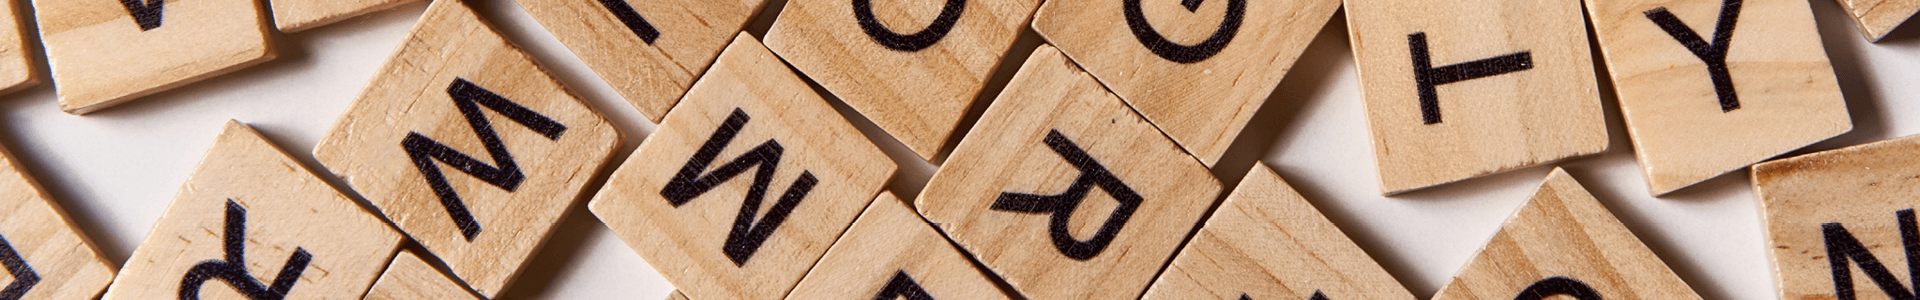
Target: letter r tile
{"x": 253, "y": 223}
{"x": 1843, "y": 220}
{"x": 105, "y": 52}
{"x": 746, "y": 183}
{"x": 1066, "y": 193}
{"x": 1462, "y": 89}
{"x": 650, "y": 51}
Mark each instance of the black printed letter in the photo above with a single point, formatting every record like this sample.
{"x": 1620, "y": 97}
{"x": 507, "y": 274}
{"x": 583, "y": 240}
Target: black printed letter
{"x": 1715, "y": 54}
{"x": 23, "y": 276}
{"x": 1316, "y": 296}
{"x": 1841, "y": 245}
{"x": 1137, "y": 21}
{"x": 950, "y": 14}
{"x": 146, "y": 13}
{"x": 507, "y": 175}
{"x": 233, "y": 270}
{"x": 1062, "y": 205}
{"x": 747, "y": 235}
{"x": 1429, "y": 78}
{"x": 1558, "y": 286}
{"x": 628, "y": 16}
{"x": 902, "y": 286}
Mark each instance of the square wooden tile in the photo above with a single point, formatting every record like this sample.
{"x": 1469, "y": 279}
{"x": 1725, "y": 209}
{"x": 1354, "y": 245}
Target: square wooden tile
{"x": 1843, "y": 220}
{"x": 1770, "y": 90}
{"x": 686, "y": 202}
{"x": 105, "y": 52}
{"x": 44, "y": 255}
{"x": 1198, "y": 69}
{"x": 649, "y": 51}
{"x": 299, "y": 15}
{"x": 18, "y": 67}
{"x": 1563, "y": 242}
{"x": 1061, "y": 199}
{"x": 411, "y": 278}
{"x": 253, "y": 223}
{"x": 1462, "y": 89}
{"x": 467, "y": 145}
{"x": 890, "y": 252}
{"x": 1876, "y": 18}
{"x": 1266, "y": 242}
{"x": 676, "y": 295}
{"x": 914, "y": 81}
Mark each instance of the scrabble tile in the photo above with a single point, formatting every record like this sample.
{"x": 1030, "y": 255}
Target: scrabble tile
{"x": 676, "y": 295}
{"x": 1876, "y": 18}
{"x": 890, "y": 252}
{"x": 468, "y": 146}
{"x": 299, "y": 15}
{"x": 1769, "y": 89}
{"x": 1563, "y": 242}
{"x": 1266, "y": 242}
{"x": 44, "y": 255}
{"x": 1491, "y": 86}
{"x": 684, "y": 202}
{"x": 1060, "y": 204}
{"x": 106, "y": 52}
{"x": 914, "y": 81}
{"x": 411, "y": 278}
{"x": 253, "y": 223}
{"x": 1828, "y": 214}
{"x": 649, "y": 51}
{"x": 17, "y": 63}
{"x": 1197, "y": 69}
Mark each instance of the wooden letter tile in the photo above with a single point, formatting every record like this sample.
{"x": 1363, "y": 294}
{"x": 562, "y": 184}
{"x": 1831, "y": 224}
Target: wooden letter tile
{"x": 676, "y": 295}
{"x": 17, "y": 64}
{"x": 44, "y": 256}
{"x": 410, "y": 278}
{"x": 1876, "y": 18}
{"x": 890, "y": 252}
{"x": 1059, "y": 197}
{"x": 1840, "y": 223}
{"x": 1266, "y": 242}
{"x": 104, "y": 52}
{"x": 252, "y": 223}
{"x": 915, "y": 81}
{"x": 1761, "y": 89}
{"x": 688, "y": 204}
{"x": 1198, "y": 69}
{"x": 298, "y": 15}
{"x": 649, "y": 50}
{"x": 1563, "y": 242}
{"x": 1463, "y": 89}
{"x": 467, "y": 145}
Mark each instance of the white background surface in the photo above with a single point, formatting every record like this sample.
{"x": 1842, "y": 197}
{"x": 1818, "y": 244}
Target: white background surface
{"x": 116, "y": 170}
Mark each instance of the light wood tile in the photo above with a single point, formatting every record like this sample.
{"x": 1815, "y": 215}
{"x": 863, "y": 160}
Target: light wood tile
{"x": 1266, "y": 242}
{"x": 1061, "y": 199}
{"x": 890, "y": 252}
{"x": 1778, "y": 92}
{"x": 676, "y": 295}
{"x": 44, "y": 256}
{"x": 1491, "y": 86}
{"x": 411, "y": 278}
{"x": 686, "y": 202}
{"x": 1198, "y": 72}
{"x": 469, "y": 146}
{"x": 105, "y": 52}
{"x": 299, "y": 15}
{"x": 1563, "y": 242}
{"x": 253, "y": 223}
{"x": 914, "y": 81}
{"x": 1843, "y": 220}
{"x": 649, "y": 51}
{"x": 1876, "y": 18}
{"x": 18, "y": 67}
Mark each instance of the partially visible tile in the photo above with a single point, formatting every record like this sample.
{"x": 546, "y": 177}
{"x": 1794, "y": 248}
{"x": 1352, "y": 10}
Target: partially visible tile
{"x": 687, "y": 203}
{"x": 105, "y": 52}
{"x": 411, "y": 278}
{"x": 1876, "y": 18}
{"x": 649, "y": 51}
{"x": 253, "y": 223}
{"x": 890, "y": 252}
{"x": 299, "y": 15}
{"x": 1833, "y": 212}
{"x": 914, "y": 81}
{"x": 1768, "y": 90}
{"x": 465, "y": 143}
{"x": 1563, "y": 242}
{"x": 1266, "y": 242}
{"x": 44, "y": 255}
{"x": 676, "y": 295}
{"x": 18, "y": 68}
{"x": 1061, "y": 199}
